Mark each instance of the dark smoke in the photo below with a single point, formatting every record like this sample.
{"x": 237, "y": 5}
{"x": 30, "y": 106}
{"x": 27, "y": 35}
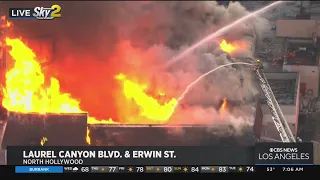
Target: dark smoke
{"x": 84, "y": 26}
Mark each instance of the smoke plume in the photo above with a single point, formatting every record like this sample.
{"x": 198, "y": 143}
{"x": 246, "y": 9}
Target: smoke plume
{"x": 96, "y": 40}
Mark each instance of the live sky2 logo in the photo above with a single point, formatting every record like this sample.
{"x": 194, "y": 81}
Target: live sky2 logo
{"x": 41, "y": 13}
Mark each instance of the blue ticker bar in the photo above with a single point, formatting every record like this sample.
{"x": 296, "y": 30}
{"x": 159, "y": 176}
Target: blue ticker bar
{"x": 39, "y": 169}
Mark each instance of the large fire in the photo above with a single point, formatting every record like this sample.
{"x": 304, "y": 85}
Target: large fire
{"x": 28, "y": 91}
{"x": 231, "y": 47}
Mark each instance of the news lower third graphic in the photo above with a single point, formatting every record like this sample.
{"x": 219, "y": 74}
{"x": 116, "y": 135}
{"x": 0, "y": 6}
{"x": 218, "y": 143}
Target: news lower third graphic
{"x": 284, "y": 154}
{"x": 207, "y": 158}
{"x": 75, "y": 157}
{"x": 105, "y": 156}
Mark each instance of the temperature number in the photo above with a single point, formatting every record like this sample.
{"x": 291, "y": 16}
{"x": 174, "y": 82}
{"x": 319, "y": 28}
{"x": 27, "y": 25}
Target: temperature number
{"x": 167, "y": 169}
{"x": 195, "y": 169}
{"x": 112, "y": 169}
{"x": 270, "y": 169}
{"x": 139, "y": 169}
{"x": 250, "y": 169}
{"x": 222, "y": 169}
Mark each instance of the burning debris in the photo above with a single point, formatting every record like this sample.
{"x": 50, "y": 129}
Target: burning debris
{"x": 43, "y": 141}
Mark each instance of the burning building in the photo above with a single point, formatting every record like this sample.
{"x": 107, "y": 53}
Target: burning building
{"x": 124, "y": 97}
{"x": 126, "y": 81}
{"x": 52, "y": 100}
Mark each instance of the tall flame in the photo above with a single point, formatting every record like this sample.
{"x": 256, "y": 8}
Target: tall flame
{"x": 223, "y": 107}
{"x": 88, "y": 139}
{"x": 26, "y": 89}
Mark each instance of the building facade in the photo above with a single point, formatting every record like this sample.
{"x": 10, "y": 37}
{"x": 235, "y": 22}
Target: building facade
{"x": 302, "y": 28}
{"x": 309, "y": 78}
{"x": 302, "y": 41}
{"x": 285, "y": 87}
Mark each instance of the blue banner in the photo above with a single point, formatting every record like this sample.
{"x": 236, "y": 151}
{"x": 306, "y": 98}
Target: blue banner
{"x": 39, "y": 169}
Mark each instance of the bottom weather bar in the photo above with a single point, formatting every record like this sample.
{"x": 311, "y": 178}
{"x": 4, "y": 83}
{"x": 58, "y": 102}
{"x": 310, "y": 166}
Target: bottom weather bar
{"x": 165, "y": 169}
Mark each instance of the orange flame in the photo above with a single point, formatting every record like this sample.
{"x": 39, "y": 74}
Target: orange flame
{"x": 223, "y": 107}
{"x": 231, "y": 47}
{"x": 43, "y": 141}
{"x": 149, "y": 107}
{"x": 224, "y": 104}
{"x": 88, "y": 139}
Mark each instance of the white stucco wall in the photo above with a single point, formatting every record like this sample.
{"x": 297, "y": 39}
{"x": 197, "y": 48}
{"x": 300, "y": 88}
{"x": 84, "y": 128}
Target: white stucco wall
{"x": 291, "y": 114}
{"x": 308, "y": 75}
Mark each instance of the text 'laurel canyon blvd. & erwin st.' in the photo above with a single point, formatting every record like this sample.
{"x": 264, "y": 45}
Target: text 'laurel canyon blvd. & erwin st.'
{"x": 98, "y": 154}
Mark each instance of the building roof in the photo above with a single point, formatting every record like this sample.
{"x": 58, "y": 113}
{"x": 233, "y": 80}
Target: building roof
{"x": 163, "y": 135}
{"x": 284, "y": 86}
{"x": 297, "y": 28}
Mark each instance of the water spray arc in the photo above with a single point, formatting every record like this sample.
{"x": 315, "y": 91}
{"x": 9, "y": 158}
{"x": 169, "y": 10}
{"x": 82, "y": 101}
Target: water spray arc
{"x": 218, "y": 33}
{"x": 185, "y": 92}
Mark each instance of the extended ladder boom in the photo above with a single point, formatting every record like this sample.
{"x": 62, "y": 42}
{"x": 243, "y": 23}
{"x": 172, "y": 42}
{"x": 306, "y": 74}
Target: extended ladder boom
{"x": 276, "y": 113}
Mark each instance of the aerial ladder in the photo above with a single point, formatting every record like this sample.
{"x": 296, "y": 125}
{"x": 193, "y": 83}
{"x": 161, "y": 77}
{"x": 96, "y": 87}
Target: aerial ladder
{"x": 276, "y": 113}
